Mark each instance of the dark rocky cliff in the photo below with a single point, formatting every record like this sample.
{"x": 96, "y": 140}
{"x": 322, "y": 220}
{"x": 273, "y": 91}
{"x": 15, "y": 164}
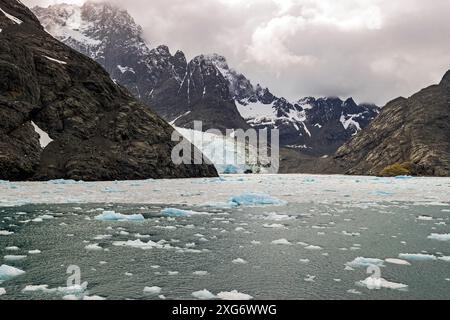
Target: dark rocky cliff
{"x": 99, "y": 130}
{"x": 413, "y": 132}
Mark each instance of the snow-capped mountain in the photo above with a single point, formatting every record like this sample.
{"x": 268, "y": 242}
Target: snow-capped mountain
{"x": 204, "y": 89}
{"x": 314, "y": 126}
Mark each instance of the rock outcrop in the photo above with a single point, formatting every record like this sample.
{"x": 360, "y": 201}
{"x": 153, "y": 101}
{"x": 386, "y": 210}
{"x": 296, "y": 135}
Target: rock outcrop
{"x": 412, "y": 134}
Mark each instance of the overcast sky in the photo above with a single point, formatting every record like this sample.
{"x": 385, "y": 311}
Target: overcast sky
{"x": 373, "y": 50}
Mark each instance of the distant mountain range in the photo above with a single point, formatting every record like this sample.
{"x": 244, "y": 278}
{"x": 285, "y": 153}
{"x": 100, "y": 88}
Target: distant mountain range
{"x": 205, "y": 88}
{"x": 62, "y": 116}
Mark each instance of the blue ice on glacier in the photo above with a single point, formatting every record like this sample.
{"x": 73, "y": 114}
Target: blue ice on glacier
{"x": 256, "y": 199}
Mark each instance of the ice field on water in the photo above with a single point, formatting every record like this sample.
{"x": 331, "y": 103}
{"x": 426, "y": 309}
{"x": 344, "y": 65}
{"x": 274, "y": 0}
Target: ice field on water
{"x": 234, "y": 237}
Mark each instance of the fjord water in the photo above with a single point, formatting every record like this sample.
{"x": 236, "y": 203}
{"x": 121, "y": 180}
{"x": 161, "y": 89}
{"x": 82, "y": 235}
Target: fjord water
{"x": 307, "y": 237}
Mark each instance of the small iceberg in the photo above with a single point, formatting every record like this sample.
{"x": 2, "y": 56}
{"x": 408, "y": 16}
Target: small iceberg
{"x": 8, "y": 272}
{"x": 234, "y": 295}
{"x": 203, "y": 295}
{"x": 152, "y": 290}
{"x": 440, "y": 237}
{"x": 255, "y": 200}
{"x": 399, "y": 262}
{"x": 373, "y": 283}
{"x": 417, "y": 257}
{"x": 115, "y": 216}
{"x": 173, "y": 212}
{"x": 281, "y": 242}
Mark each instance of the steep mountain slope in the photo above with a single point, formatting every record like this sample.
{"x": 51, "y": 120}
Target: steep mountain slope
{"x": 413, "y": 132}
{"x": 204, "y": 89}
{"x": 96, "y": 129}
{"x": 171, "y": 85}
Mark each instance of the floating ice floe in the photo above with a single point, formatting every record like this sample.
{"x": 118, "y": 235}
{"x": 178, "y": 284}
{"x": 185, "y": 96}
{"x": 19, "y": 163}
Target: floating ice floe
{"x": 305, "y": 261}
{"x": 273, "y": 216}
{"x": 351, "y": 234}
{"x": 2, "y": 291}
{"x": 200, "y": 273}
{"x": 417, "y": 257}
{"x": 398, "y": 262}
{"x": 274, "y": 226}
{"x": 362, "y": 262}
{"x": 255, "y": 200}
{"x": 440, "y": 237}
{"x": 310, "y": 278}
{"x": 203, "y": 295}
{"x": 14, "y": 258}
{"x": 239, "y": 261}
{"x": 152, "y": 290}
{"x": 115, "y": 216}
{"x": 93, "y": 298}
{"x": 313, "y": 248}
{"x": 354, "y": 291}
{"x": 446, "y": 259}
{"x": 76, "y": 291}
{"x": 373, "y": 283}
{"x": 8, "y": 272}
{"x": 93, "y": 247}
{"x": 425, "y": 218}
{"x": 12, "y": 248}
{"x": 173, "y": 212}
{"x": 6, "y": 233}
{"x": 281, "y": 242}
{"x": 234, "y": 295}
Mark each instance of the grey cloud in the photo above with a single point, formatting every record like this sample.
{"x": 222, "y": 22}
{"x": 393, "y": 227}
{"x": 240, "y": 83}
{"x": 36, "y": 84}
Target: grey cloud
{"x": 373, "y": 50}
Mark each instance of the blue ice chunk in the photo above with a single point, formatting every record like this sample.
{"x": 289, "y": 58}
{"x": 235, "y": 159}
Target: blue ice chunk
{"x": 114, "y": 216}
{"x": 255, "y": 199}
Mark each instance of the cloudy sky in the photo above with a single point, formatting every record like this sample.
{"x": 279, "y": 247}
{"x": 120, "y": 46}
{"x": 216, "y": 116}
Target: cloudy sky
{"x": 373, "y": 50}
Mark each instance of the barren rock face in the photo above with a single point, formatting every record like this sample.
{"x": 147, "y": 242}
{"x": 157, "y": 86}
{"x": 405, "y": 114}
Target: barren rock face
{"x": 414, "y": 130}
{"x": 99, "y": 131}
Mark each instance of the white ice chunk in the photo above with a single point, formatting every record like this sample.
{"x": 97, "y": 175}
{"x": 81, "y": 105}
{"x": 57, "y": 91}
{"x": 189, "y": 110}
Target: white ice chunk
{"x": 373, "y": 283}
{"x": 152, "y": 290}
{"x": 239, "y": 261}
{"x": 440, "y": 237}
{"x": 93, "y": 247}
{"x": 398, "y": 262}
{"x": 281, "y": 242}
{"x": 173, "y": 212}
{"x": 234, "y": 295}
{"x": 203, "y": 295}
{"x": 417, "y": 257}
{"x": 14, "y": 258}
{"x": 115, "y": 216}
